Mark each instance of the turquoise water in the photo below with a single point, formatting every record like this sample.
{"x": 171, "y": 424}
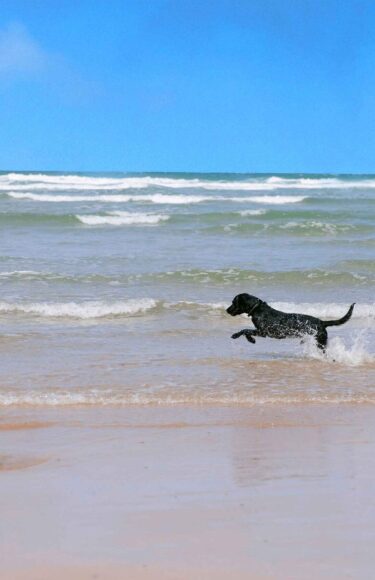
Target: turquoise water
{"x": 113, "y": 287}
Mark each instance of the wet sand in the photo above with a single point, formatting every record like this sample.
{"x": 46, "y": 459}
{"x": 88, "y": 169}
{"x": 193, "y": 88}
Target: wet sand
{"x": 159, "y": 493}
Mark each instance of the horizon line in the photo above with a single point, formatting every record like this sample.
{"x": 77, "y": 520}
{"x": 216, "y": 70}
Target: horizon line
{"x": 149, "y": 172}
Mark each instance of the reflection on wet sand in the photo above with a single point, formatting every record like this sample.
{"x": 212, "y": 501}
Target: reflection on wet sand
{"x": 10, "y": 463}
{"x": 20, "y": 426}
{"x": 277, "y": 492}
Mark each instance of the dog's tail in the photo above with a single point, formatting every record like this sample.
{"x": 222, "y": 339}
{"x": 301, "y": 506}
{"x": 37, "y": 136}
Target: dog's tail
{"x": 341, "y": 320}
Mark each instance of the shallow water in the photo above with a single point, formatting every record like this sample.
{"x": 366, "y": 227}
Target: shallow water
{"x": 113, "y": 288}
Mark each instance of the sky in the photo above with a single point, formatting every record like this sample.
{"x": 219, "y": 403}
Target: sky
{"x": 188, "y": 85}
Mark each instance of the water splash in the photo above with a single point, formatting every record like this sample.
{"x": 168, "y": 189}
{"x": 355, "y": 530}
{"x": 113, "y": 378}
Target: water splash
{"x": 337, "y": 352}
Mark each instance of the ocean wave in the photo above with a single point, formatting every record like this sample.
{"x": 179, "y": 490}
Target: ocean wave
{"x": 226, "y": 276}
{"x": 285, "y": 218}
{"x": 322, "y": 182}
{"x": 236, "y": 275}
{"x": 157, "y": 198}
{"x": 271, "y": 199}
{"x": 130, "y": 307}
{"x": 112, "y": 218}
{"x": 302, "y": 228}
{"x": 301, "y": 212}
{"x": 85, "y": 310}
{"x": 32, "y": 181}
{"x": 318, "y": 309}
{"x": 327, "y": 311}
{"x": 21, "y": 274}
{"x": 360, "y": 265}
{"x": 121, "y": 218}
{"x": 40, "y": 276}
{"x": 252, "y": 212}
{"x": 320, "y": 227}
{"x": 32, "y": 218}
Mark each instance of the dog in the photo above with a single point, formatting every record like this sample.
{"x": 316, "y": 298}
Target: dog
{"x": 273, "y": 323}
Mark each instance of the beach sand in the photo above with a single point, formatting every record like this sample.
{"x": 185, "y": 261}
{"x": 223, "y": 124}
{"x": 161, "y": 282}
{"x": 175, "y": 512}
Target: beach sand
{"x": 268, "y": 492}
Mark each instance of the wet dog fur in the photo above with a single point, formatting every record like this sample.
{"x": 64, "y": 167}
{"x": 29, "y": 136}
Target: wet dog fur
{"x": 273, "y": 323}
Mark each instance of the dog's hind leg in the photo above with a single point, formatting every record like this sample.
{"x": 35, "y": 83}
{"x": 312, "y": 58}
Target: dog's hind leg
{"x": 322, "y": 339}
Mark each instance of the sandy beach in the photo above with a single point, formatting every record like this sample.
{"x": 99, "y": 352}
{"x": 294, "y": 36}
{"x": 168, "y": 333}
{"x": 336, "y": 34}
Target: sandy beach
{"x": 220, "y": 492}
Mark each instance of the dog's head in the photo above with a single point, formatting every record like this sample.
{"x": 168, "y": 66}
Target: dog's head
{"x": 243, "y": 303}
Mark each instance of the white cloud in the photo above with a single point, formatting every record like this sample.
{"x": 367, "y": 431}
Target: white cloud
{"x": 19, "y": 52}
{"x": 22, "y": 57}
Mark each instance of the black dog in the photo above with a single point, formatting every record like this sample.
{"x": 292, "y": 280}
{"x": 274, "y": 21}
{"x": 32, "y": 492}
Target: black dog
{"x": 276, "y": 324}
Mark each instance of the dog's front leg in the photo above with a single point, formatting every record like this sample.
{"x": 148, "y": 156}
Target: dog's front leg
{"x": 248, "y": 333}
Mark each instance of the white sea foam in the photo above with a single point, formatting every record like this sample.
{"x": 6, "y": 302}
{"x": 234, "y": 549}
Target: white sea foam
{"x": 271, "y": 199}
{"x": 99, "y": 309}
{"x": 16, "y": 275}
{"x": 20, "y": 274}
{"x": 157, "y": 198}
{"x": 95, "y": 309}
{"x": 337, "y": 352}
{"x": 63, "y": 198}
{"x": 161, "y": 199}
{"x": 327, "y": 228}
{"x": 327, "y": 310}
{"x": 320, "y": 183}
{"x": 20, "y": 182}
{"x": 85, "y": 310}
{"x": 165, "y": 396}
{"x": 121, "y": 218}
{"x": 56, "y": 399}
{"x": 248, "y": 212}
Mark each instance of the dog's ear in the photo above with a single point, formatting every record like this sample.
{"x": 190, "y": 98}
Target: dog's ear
{"x": 242, "y": 300}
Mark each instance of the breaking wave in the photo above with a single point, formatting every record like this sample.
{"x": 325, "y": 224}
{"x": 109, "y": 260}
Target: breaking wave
{"x": 121, "y": 218}
{"x": 85, "y": 310}
{"x": 238, "y": 182}
{"x": 324, "y": 310}
{"x": 320, "y": 310}
{"x": 157, "y": 198}
{"x": 271, "y": 199}
{"x": 101, "y": 309}
{"x": 252, "y": 212}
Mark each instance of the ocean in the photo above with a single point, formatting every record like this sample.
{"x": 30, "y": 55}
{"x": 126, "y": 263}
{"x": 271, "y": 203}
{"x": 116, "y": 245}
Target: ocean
{"x": 113, "y": 287}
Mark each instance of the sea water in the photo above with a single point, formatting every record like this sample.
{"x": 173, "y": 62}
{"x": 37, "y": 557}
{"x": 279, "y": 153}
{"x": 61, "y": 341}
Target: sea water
{"x": 113, "y": 287}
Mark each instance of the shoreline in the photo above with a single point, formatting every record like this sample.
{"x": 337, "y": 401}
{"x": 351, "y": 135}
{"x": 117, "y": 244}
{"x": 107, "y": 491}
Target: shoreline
{"x": 193, "y": 492}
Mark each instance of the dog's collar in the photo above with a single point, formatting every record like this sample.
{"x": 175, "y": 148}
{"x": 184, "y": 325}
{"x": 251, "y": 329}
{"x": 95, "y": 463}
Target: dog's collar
{"x": 254, "y": 307}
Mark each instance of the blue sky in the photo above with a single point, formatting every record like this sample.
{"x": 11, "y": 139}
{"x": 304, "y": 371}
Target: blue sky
{"x": 187, "y": 85}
